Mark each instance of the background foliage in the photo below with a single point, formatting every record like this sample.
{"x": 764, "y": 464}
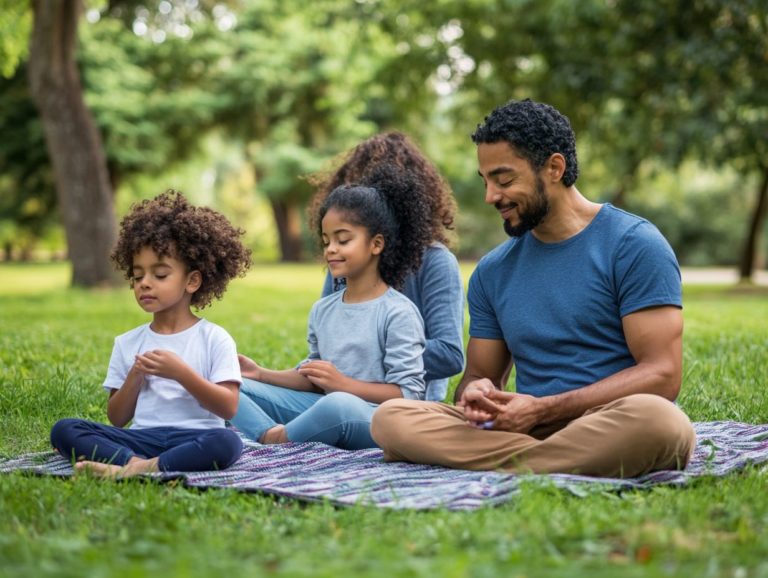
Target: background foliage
{"x": 237, "y": 102}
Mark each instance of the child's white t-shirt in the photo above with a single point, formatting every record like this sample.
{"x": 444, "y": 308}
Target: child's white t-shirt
{"x": 205, "y": 347}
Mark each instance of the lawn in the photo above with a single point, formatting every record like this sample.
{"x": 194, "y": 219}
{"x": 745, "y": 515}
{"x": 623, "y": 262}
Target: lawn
{"x": 54, "y": 347}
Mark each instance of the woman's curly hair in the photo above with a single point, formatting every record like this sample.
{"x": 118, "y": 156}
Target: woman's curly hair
{"x": 429, "y": 199}
{"x": 383, "y": 203}
{"x": 201, "y": 238}
{"x": 535, "y": 130}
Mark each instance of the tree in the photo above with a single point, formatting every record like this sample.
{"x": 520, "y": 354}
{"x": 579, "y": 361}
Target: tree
{"x": 643, "y": 82}
{"x": 147, "y": 100}
{"x": 74, "y": 145}
{"x": 295, "y": 84}
{"x": 27, "y": 194}
{"x": 296, "y": 91}
{"x": 151, "y": 101}
{"x": 697, "y": 89}
{"x": 15, "y": 23}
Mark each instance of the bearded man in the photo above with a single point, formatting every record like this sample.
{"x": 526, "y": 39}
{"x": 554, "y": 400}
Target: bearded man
{"x": 584, "y": 302}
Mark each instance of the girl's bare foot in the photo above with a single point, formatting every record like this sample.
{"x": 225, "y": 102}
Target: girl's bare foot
{"x": 275, "y": 435}
{"x": 134, "y": 467}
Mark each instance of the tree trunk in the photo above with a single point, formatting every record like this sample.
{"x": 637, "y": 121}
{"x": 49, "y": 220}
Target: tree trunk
{"x": 749, "y": 251}
{"x": 73, "y": 141}
{"x": 618, "y": 197}
{"x": 288, "y": 220}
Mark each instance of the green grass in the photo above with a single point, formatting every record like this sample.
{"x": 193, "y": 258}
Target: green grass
{"x": 54, "y": 347}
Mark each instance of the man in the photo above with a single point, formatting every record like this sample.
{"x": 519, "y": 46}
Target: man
{"x": 584, "y": 301}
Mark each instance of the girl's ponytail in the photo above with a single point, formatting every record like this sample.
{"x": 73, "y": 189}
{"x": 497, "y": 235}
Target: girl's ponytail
{"x": 412, "y": 217}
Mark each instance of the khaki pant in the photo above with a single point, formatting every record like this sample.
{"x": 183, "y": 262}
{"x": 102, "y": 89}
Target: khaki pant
{"x": 625, "y": 438}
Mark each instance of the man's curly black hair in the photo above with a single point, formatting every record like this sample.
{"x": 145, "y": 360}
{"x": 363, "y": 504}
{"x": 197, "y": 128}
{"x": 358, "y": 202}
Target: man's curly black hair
{"x": 201, "y": 238}
{"x": 429, "y": 200}
{"x": 535, "y": 130}
{"x": 383, "y": 203}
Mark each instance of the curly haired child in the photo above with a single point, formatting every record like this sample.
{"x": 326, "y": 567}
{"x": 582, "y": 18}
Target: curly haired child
{"x": 365, "y": 342}
{"x": 176, "y": 378}
{"x": 428, "y": 210}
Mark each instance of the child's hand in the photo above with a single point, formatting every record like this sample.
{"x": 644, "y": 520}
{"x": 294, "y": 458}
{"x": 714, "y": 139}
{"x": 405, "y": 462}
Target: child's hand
{"x": 324, "y": 375}
{"x": 135, "y": 375}
{"x": 162, "y": 363}
{"x": 249, "y": 368}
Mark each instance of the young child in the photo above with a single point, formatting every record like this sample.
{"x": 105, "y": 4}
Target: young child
{"x": 177, "y": 378}
{"x": 429, "y": 209}
{"x": 365, "y": 343}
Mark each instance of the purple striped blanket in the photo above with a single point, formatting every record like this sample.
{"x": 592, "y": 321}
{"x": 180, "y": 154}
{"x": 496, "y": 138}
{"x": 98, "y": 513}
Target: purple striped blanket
{"x": 317, "y": 472}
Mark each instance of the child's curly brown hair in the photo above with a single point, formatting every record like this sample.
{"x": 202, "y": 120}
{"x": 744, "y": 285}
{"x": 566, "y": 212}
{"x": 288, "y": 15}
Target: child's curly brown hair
{"x": 429, "y": 192}
{"x": 201, "y": 238}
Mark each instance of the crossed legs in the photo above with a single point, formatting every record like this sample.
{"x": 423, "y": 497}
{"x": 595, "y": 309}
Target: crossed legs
{"x": 625, "y": 438}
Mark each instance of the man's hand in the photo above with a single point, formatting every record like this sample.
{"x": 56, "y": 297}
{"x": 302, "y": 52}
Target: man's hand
{"x": 479, "y": 408}
{"x": 323, "y": 374}
{"x": 161, "y": 363}
{"x": 249, "y": 368}
{"x": 488, "y": 408}
{"x": 519, "y": 413}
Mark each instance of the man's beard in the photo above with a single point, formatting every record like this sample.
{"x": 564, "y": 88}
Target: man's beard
{"x": 534, "y": 215}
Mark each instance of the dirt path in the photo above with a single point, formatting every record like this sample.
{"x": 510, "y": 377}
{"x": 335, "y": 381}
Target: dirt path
{"x": 718, "y": 276}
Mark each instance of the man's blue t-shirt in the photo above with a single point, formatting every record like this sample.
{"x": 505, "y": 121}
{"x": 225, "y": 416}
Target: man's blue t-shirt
{"x": 558, "y": 306}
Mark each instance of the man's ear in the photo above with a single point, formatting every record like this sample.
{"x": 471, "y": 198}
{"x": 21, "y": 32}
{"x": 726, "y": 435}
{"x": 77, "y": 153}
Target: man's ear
{"x": 377, "y": 244}
{"x": 194, "y": 280}
{"x": 555, "y": 167}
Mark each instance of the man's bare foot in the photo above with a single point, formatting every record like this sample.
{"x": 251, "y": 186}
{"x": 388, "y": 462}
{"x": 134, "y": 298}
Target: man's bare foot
{"x": 275, "y": 435}
{"x": 134, "y": 467}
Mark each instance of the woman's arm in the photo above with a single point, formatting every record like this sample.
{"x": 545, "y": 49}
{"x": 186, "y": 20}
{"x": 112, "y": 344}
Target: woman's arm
{"x": 440, "y": 301}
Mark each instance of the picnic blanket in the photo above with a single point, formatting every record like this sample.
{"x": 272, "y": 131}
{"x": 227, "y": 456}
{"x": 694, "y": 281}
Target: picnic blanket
{"x": 317, "y": 472}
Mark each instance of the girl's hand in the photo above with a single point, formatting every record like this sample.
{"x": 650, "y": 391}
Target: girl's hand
{"x": 324, "y": 375}
{"x": 161, "y": 363}
{"x": 249, "y": 368}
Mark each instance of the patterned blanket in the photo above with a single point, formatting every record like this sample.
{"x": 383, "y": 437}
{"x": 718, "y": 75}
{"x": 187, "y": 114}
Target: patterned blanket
{"x": 317, "y": 472}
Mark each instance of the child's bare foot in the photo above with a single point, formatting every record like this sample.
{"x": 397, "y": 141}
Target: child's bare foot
{"x": 275, "y": 435}
{"x": 134, "y": 467}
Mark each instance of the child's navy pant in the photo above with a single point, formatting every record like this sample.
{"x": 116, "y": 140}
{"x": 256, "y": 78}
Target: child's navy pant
{"x": 178, "y": 449}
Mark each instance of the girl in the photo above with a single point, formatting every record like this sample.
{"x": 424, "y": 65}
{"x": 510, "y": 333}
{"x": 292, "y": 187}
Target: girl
{"x": 365, "y": 342}
{"x": 435, "y": 287}
{"x": 177, "y": 378}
